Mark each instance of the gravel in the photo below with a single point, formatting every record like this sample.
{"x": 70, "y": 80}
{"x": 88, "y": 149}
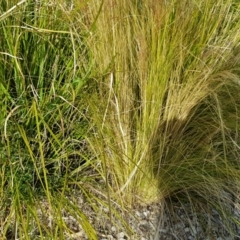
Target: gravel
{"x": 152, "y": 223}
{"x": 158, "y": 221}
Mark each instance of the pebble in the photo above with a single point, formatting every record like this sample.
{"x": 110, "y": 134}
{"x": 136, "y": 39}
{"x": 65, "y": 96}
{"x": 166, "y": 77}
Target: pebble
{"x": 179, "y": 223}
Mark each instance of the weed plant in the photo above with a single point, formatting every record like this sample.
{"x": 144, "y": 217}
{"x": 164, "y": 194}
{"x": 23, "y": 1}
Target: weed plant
{"x": 130, "y": 102}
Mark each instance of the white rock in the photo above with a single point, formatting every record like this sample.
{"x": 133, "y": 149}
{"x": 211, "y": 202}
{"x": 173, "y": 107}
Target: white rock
{"x": 114, "y": 229}
{"x": 120, "y": 235}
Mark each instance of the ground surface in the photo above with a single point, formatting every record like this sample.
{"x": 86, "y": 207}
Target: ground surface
{"x": 150, "y": 223}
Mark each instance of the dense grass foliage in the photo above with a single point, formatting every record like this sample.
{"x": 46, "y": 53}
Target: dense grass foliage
{"x": 130, "y": 102}
{"x": 44, "y": 65}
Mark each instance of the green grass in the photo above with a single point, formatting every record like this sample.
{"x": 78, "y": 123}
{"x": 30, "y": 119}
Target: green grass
{"x": 136, "y": 100}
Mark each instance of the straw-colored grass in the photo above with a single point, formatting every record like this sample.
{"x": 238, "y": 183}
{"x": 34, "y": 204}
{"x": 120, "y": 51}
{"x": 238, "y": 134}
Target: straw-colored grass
{"x": 131, "y": 102}
{"x": 166, "y": 106}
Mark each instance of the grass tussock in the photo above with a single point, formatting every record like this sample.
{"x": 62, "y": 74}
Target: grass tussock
{"x": 166, "y": 108}
{"x": 44, "y": 66}
{"x": 131, "y": 102}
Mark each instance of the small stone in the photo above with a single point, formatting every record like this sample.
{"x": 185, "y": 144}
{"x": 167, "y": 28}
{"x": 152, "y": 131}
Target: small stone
{"x": 178, "y": 226}
{"x": 120, "y": 235}
{"x": 106, "y": 210}
{"x": 146, "y": 213}
{"x": 194, "y": 230}
{"x": 138, "y": 213}
{"x": 162, "y": 230}
{"x": 110, "y": 237}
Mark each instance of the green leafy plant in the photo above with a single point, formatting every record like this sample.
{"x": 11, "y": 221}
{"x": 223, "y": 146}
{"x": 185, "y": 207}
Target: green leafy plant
{"x": 44, "y": 69}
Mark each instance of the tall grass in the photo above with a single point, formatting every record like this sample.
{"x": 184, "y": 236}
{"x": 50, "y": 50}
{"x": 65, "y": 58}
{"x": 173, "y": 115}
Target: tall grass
{"x": 166, "y": 108}
{"x": 131, "y": 102}
{"x": 44, "y": 66}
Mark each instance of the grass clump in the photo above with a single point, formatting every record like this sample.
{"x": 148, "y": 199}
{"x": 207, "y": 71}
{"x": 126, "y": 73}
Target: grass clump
{"x": 166, "y": 108}
{"x": 44, "y": 66}
{"x": 130, "y": 102}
